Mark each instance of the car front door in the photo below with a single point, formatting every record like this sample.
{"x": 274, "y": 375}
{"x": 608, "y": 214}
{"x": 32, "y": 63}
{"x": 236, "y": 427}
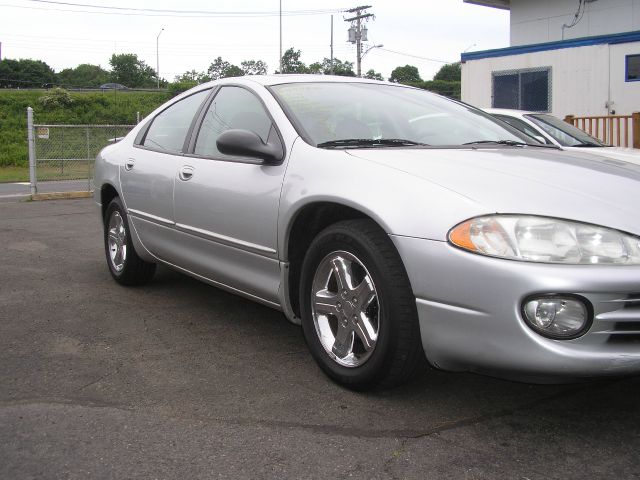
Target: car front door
{"x": 147, "y": 174}
{"x": 227, "y": 207}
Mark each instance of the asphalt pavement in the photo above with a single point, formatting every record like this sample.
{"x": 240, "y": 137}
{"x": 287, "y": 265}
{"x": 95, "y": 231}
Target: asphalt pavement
{"x": 179, "y": 380}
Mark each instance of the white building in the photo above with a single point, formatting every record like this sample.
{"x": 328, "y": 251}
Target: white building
{"x": 579, "y": 57}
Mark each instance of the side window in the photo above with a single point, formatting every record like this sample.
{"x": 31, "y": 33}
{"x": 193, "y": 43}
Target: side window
{"x": 169, "y": 127}
{"x": 232, "y": 107}
{"x": 632, "y": 68}
{"x": 522, "y": 126}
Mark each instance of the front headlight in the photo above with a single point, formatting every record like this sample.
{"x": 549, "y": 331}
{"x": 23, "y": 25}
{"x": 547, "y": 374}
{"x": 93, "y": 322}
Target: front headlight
{"x": 547, "y": 240}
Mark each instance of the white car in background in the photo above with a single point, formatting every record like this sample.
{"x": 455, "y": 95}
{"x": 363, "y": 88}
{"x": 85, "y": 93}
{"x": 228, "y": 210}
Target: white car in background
{"x": 553, "y": 131}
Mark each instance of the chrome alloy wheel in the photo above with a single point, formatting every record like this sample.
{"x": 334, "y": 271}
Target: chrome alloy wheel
{"x": 344, "y": 305}
{"x": 117, "y": 241}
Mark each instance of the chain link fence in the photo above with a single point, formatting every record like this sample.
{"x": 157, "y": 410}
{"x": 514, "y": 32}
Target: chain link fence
{"x": 62, "y": 157}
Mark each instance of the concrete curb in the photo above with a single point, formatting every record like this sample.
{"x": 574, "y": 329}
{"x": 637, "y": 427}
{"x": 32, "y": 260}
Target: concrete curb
{"x": 60, "y": 196}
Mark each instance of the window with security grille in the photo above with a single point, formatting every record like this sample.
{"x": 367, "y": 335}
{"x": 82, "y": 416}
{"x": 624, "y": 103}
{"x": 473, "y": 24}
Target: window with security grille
{"x": 632, "y": 70}
{"x": 528, "y": 89}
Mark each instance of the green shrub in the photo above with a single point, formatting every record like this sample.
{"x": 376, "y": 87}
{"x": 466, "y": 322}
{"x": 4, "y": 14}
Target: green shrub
{"x": 446, "y": 88}
{"x": 176, "y": 88}
{"x": 56, "y": 98}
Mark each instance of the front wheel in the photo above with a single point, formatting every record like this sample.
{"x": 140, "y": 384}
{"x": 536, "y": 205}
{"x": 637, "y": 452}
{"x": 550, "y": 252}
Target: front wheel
{"x": 359, "y": 316}
{"x": 126, "y": 267}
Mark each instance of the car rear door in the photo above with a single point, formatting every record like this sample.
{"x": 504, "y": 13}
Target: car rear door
{"x": 227, "y": 207}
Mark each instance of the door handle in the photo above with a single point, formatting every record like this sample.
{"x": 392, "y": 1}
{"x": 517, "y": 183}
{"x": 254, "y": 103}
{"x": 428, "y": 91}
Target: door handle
{"x": 185, "y": 173}
{"x": 128, "y": 165}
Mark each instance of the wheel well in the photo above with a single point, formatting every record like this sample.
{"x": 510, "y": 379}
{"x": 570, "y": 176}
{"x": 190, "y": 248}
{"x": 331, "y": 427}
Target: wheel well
{"x": 107, "y": 193}
{"x": 310, "y": 221}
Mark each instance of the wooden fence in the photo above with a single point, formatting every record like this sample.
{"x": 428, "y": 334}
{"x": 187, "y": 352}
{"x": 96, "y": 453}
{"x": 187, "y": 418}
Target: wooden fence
{"x": 616, "y": 130}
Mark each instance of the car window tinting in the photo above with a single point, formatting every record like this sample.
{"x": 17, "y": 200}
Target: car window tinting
{"x": 329, "y": 112}
{"x": 565, "y": 134}
{"x": 169, "y": 127}
{"x": 232, "y": 108}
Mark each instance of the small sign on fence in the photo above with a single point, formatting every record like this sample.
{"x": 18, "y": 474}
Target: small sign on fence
{"x": 43, "y": 132}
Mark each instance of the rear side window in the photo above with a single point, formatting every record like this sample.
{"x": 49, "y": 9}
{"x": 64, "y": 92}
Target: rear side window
{"x": 232, "y": 107}
{"x": 169, "y": 128}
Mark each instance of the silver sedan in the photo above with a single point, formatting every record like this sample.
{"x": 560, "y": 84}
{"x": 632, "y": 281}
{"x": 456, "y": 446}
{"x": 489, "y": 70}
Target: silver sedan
{"x": 394, "y": 225}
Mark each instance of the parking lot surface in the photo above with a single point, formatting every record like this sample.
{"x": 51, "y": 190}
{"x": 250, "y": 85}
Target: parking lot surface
{"x": 181, "y": 380}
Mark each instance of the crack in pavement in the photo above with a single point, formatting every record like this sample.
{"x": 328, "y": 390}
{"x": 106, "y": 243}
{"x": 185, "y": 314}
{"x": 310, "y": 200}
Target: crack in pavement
{"x": 402, "y": 434}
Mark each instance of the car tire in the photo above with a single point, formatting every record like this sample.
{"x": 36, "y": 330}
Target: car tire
{"x": 359, "y": 315}
{"x": 126, "y": 267}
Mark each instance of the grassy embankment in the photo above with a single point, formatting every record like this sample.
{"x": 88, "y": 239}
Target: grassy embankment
{"x": 85, "y": 108}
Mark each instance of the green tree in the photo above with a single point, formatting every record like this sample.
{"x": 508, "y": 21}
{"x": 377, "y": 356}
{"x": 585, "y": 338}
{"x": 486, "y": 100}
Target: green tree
{"x": 84, "y": 75}
{"x": 233, "y": 71}
{"x": 253, "y": 67}
{"x": 221, "y": 69}
{"x": 130, "y": 71}
{"x": 193, "y": 77}
{"x": 450, "y": 72}
{"x": 344, "y": 69}
{"x": 25, "y": 73}
{"x": 406, "y": 74}
{"x": 291, "y": 62}
{"x": 373, "y": 75}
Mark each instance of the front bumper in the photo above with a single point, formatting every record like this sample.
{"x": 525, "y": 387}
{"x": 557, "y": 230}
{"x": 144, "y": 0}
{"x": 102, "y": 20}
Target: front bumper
{"x": 469, "y": 308}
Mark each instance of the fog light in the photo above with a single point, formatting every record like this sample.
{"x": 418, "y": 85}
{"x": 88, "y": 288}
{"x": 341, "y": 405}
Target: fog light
{"x": 558, "y": 316}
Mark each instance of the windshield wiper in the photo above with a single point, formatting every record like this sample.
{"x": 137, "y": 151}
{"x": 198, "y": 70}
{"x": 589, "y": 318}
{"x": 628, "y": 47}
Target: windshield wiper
{"x": 511, "y": 143}
{"x": 370, "y": 142}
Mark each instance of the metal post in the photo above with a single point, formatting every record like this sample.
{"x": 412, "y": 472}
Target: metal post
{"x": 280, "y": 36}
{"x": 88, "y": 160}
{"x": 158, "y": 59}
{"x": 137, "y": 117}
{"x": 32, "y": 152}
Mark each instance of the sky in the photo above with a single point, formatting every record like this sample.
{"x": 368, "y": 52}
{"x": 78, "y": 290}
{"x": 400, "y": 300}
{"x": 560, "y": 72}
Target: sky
{"x": 423, "y": 33}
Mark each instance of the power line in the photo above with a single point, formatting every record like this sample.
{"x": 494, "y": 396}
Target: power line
{"x": 151, "y": 12}
{"x": 416, "y": 56}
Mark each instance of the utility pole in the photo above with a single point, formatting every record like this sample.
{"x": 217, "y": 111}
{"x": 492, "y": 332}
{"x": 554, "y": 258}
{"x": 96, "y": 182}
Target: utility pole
{"x": 358, "y": 32}
{"x": 331, "y": 71}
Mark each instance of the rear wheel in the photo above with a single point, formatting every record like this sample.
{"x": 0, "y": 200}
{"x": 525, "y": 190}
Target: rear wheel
{"x": 358, "y": 311}
{"x": 126, "y": 267}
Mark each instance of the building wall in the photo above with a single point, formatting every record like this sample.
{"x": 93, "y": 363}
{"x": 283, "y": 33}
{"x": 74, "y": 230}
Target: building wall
{"x": 583, "y": 78}
{"x": 540, "y": 21}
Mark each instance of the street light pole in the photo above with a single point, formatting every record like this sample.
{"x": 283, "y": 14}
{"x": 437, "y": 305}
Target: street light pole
{"x": 368, "y": 50}
{"x": 371, "y": 48}
{"x": 158, "y": 58}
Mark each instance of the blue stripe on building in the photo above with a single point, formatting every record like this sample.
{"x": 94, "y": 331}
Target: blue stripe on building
{"x": 626, "y": 37}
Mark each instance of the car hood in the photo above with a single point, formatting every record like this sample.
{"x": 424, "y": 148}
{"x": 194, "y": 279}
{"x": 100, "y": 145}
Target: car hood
{"x": 536, "y": 181}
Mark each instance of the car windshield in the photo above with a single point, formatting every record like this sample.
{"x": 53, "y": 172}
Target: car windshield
{"x": 564, "y": 133}
{"x": 360, "y": 115}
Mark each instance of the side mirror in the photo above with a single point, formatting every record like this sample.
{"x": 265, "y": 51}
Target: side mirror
{"x": 245, "y": 143}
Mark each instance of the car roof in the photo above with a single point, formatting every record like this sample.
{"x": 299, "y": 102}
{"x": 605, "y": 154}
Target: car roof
{"x": 268, "y": 80}
{"x": 507, "y": 111}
